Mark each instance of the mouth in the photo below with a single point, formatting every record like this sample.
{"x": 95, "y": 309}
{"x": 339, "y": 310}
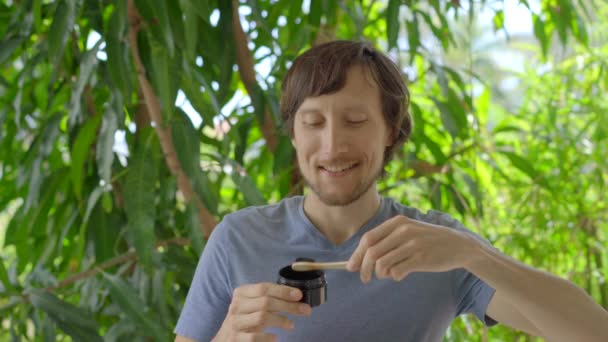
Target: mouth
{"x": 338, "y": 170}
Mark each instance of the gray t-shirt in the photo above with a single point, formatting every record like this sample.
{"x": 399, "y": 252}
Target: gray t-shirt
{"x": 251, "y": 245}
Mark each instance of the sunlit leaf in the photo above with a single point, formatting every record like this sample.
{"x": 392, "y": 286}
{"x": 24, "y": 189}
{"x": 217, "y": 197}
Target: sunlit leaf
{"x": 499, "y": 20}
{"x": 540, "y": 34}
{"x": 521, "y": 163}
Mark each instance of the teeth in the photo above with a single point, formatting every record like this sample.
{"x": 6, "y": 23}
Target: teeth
{"x": 338, "y": 168}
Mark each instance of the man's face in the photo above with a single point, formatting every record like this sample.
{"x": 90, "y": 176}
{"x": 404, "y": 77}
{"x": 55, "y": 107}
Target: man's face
{"x": 340, "y": 140}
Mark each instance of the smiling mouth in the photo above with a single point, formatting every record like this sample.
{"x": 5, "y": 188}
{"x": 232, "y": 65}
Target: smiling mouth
{"x": 338, "y": 170}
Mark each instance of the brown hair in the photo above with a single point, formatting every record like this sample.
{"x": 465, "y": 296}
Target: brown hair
{"x": 322, "y": 70}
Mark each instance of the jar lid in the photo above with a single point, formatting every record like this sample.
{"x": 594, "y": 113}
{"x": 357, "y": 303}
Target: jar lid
{"x": 299, "y": 279}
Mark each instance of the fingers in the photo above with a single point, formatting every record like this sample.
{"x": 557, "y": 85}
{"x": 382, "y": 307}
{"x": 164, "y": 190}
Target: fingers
{"x": 269, "y": 289}
{"x": 369, "y": 239}
{"x": 255, "y": 307}
{"x": 374, "y": 253}
{"x": 386, "y": 265}
{"x": 245, "y": 305}
{"x": 403, "y": 268}
{"x": 260, "y": 320}
{"x": 255, "y": 337}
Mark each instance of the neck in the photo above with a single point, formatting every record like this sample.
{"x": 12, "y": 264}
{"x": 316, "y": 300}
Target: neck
{"x": 339, "y": 223}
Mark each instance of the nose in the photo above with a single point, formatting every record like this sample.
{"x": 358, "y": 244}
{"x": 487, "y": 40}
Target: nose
{"x": 334, "y": 139}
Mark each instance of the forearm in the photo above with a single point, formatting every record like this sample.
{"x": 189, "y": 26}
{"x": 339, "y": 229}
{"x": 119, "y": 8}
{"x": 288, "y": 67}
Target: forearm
{"x": 559, "y": 309}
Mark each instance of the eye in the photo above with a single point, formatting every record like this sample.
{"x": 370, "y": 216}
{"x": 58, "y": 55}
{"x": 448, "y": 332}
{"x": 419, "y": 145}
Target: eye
{"x": 313, "y": 123}
{"x": 356, "y": 122}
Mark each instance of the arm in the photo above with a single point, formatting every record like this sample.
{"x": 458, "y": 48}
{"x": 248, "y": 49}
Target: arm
{"x": 525, "y": 299}
{"x": 536, "y": 301}
{"x": 180, "y": 338}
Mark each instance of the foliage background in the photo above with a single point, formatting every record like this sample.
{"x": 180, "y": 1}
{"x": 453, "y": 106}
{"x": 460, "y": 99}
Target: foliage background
{"x": 129, "y": 128}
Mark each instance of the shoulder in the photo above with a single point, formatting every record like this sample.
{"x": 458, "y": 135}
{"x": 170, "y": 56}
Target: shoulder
{"x": 431, "y": 216}
{"x": 255, "y": 220}
{"x": 271, "y": 212}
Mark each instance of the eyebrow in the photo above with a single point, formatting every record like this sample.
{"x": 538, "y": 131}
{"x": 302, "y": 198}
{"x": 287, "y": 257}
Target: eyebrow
{"x": 352, "y": 108}
{"x": 308, "y": 111}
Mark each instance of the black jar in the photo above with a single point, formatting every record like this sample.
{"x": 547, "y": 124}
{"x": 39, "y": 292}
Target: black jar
{"x": 311, "y": 283}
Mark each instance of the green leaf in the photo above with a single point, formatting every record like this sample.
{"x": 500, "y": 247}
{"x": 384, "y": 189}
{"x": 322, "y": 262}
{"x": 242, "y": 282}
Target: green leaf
{"x": 474, "y": 188}
{"x": 202, "y": 9}
{"x": 89, "y": 61}
{"x": 164, "y": 83}
{"x": 80, "y": 151}
{"x": 191, "y": 27}
{"x": 413, "y": 37}
{"x": 7, "y": 286}
{"x": 438, "y": 32}
{"x": 506, "y": 128}
{"x": 457, "y": 109}
{"x": 579, "y": 30}
{"x": 258, "y": 100}
{"x": 161, "y": 13}
{"x": 186, "y": 142}
{"x": 283, "y": 156}
{"x": 448, "y": 117}
{"x": 106, "y": 202}
{"x": 117, "y": 50}
{"x": 482, "y": 103}
{"x": 194, "y": 228}
{"x": 8, "y": 46}
{"x": 459, "y": 200}
{"x": 102, "y": 232}
{"x": 246, "y": 186}
{"x": 105, "y": 144}
{"x": 314, "y": 16}
{"x": 205, "y": 190}
{"x": 392, "y": 22}
{"x": 120, "y": 329}
{"x": 540, "y": 34}
{"x": 140, "y": 208}
{"x": 74, "y": 321}
{"x": 435, "y": 149}
{"x": 561, "y": 15}
{"x": 59, "y": 32}
{"x": 136, "y": 310}
{"x": 93, "y": 198}
{"x": 499, "y": 20}
{"x": 522, "y": 164}
{"x": 435, "y": 194}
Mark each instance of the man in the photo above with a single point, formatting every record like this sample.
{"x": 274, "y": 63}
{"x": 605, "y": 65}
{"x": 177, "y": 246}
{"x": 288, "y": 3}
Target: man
{"x": 345, "y": 107}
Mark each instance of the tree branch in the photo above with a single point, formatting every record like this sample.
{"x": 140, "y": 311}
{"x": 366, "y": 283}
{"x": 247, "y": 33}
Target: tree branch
{"x": 132, "y": 255}
{"x": 208, "y": 221}
{"x": 246, "y": 69}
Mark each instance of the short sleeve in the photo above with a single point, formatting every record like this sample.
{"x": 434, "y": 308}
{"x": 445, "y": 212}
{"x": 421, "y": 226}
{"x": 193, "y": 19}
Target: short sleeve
{"x": 473, "y": 295}
{"x": 209, "y": 295}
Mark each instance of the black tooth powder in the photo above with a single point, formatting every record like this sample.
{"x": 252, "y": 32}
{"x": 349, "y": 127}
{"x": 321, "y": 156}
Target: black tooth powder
{"x": 311, "y": 283}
